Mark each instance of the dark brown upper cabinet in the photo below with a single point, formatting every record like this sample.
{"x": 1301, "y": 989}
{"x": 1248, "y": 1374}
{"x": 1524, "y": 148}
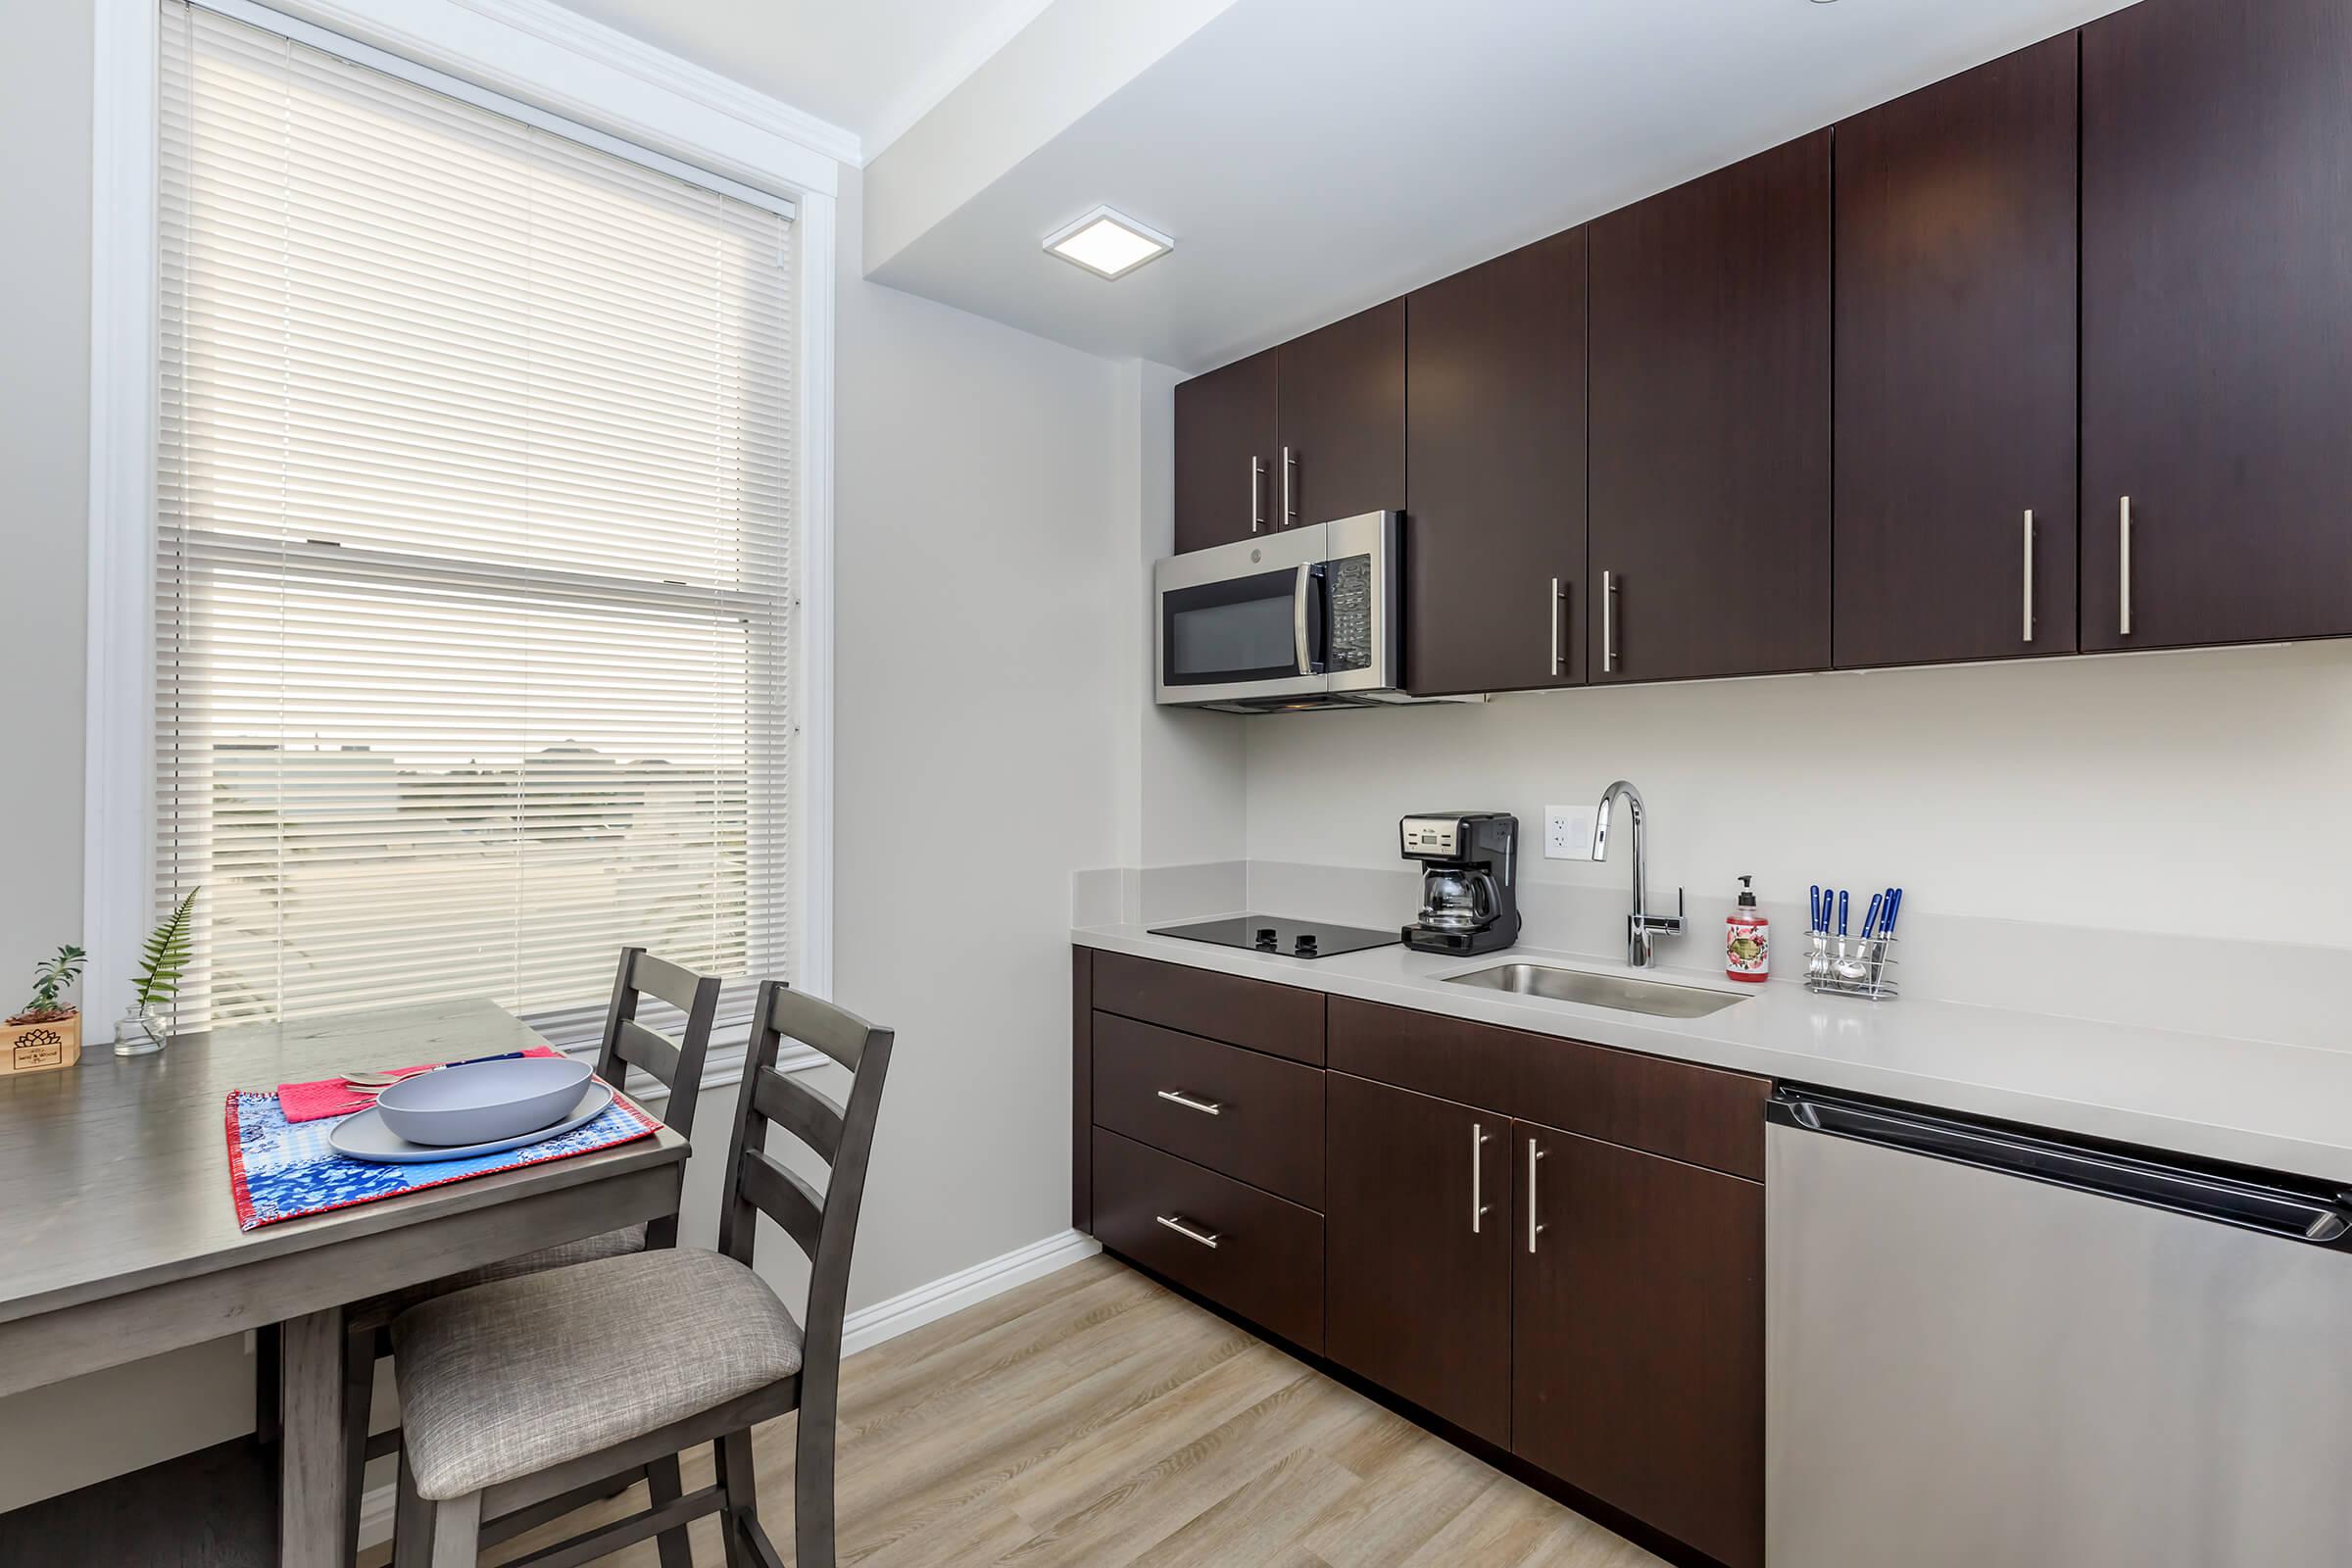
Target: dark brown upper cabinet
{"x": 1228, "y": 445}
{"x": 1343, "y": 420}
{"x": 1955, "y": 365}
{"x": 2217, "y": 307}
{"x": 1495, "y": 474}
{"x": 1638, "y": 1322}
{"x": 1708, "y": 318}
{"x": 1417, "y": 1250}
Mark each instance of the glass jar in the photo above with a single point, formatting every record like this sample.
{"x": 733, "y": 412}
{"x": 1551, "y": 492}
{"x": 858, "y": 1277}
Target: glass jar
{"x": 142, "y": 1030}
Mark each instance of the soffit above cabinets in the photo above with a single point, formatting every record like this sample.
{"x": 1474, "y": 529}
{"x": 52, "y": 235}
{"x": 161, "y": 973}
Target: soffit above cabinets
{"x": 1311, "y": 160}
{"x": 870, "y": 67}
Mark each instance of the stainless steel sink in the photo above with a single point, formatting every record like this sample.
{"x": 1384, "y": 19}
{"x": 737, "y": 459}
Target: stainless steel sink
{"x": 1652, "y": 997}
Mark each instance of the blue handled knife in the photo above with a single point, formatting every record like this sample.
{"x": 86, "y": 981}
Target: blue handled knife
{"x": 1870, "y": 920}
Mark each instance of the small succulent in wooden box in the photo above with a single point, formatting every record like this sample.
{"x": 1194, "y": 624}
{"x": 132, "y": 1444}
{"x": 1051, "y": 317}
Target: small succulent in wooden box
{"x": 47, "y": 1031}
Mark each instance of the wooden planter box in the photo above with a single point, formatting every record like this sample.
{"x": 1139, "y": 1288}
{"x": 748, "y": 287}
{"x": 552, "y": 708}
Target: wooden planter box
{"x": 38, "y": 1047}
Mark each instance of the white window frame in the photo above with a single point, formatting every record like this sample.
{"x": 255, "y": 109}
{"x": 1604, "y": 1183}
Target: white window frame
{"x": 538, "y": 62}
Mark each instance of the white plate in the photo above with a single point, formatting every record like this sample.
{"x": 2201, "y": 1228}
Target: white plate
{"x": 365, "y": 1136}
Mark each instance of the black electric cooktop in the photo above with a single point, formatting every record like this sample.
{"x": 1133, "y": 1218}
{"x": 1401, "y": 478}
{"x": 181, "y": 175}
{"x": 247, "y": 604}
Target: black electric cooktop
{"x": 1295, "y": 939}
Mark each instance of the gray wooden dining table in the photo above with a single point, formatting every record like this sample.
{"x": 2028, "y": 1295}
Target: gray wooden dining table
{"x": 119, "y": 1239}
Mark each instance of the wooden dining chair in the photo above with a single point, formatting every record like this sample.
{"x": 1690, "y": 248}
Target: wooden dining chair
{"x": 675, "y": 1065}
{"x": 525, "y": 1397}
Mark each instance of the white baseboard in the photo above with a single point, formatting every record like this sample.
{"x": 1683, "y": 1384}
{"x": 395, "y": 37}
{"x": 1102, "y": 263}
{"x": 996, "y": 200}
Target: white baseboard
{"x": 927, "y": 1303}
{"x": 871, "y": 1326}
{"x": 376, "y": 1516}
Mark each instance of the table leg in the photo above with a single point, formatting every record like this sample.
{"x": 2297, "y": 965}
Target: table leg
{"x": 310, "y": 1456}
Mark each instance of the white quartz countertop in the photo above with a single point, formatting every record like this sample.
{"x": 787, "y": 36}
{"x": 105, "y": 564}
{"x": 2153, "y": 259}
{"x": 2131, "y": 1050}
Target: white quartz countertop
{"x": 2280, "y": 1107}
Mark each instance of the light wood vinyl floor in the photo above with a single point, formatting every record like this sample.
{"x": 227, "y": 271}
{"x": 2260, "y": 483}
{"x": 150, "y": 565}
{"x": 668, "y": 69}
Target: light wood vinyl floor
{"x": 1094, "y": 1418}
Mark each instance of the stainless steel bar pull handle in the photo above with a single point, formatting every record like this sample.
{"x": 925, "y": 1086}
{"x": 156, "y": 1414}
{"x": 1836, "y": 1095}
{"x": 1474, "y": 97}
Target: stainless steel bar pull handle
{"x": 2123, "y": 550}
{"x": 2028, "y": 634}
{"x": 1608, "y": 622}
{"x": 1257, "y": 493}
{"x": 1290, "y": 505}
{"x": 1552, "y": 611}
{"x": 1534, "y": 1229}
{"x": 1478, "y": 1202}
{"x": 1207, "y": 1107}
{"x": 1207, "y": 1239}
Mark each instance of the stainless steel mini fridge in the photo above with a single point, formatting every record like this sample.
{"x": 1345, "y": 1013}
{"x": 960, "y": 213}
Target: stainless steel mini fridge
{"x": 1991, "y": 1348}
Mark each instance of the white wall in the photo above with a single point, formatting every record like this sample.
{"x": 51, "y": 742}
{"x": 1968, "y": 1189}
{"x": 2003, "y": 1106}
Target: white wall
{"x": 977, "y": 578}
{"x": 1179, "y": 771}
{"x": 977, "y": 572}
{"x": 44, "y": 474}
{"x": 57, "y": 1437}
{"x": 2201, "y": 794}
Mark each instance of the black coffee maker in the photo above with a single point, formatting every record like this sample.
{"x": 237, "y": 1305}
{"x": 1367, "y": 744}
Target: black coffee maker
{"x": 1469, "y": 896}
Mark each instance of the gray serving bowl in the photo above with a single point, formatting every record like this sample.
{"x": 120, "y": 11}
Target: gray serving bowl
{"x": 479, "y": 1101}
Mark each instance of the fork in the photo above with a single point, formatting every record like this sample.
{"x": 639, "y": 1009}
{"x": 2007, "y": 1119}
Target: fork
{"x": 368, "y": 1082}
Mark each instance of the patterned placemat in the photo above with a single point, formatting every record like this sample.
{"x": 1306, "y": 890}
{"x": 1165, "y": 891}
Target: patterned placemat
{"x": 283, "y": 1171}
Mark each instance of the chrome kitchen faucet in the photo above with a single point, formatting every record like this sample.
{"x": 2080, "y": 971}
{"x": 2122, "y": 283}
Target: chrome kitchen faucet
{"x": 1640, "y": 925}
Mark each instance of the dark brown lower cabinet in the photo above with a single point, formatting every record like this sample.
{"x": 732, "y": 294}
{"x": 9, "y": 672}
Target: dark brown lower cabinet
{"x": 1417, "y": 1260}
{"x": 1597, "y": 1311}
{"x": 1259, "y": 1254}
{"x": 1638, "y": 1335}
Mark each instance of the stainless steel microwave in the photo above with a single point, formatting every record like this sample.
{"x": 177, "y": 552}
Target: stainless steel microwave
{"x": 1304, "y": 617}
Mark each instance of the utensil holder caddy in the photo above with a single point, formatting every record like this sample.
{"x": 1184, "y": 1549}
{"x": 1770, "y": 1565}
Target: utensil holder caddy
{"x": 1852, "y": 966}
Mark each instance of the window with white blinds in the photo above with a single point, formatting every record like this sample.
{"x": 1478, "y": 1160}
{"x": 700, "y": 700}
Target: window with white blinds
{"x": 475, "y": 490}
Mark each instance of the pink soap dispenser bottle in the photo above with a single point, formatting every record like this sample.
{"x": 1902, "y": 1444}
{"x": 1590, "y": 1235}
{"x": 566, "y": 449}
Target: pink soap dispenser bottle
{"x": 1747, "y": 939}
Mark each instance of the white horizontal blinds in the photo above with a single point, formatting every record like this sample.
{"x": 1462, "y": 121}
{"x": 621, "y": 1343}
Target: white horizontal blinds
{"x": 475, "y": 487}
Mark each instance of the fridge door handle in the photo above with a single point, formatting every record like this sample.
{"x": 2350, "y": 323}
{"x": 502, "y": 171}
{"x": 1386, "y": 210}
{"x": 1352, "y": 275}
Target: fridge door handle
{"x": 2181, "y": 1188}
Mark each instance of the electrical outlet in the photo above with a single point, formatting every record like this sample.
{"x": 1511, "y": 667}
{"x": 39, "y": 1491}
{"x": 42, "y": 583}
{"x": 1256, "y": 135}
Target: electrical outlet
{"x": 1568, "y": 832}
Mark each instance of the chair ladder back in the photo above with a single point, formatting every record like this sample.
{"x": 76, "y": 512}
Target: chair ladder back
{"x": 677, "y": 1065}
{"x": 657, "y": 977}
{"x": 769, "y": 1098}
{"x": 639, "y": 1047}
{"x": 835, "y": 1031}
{"x": 807, "y": 1112}
{"x": 762, "y": 1181}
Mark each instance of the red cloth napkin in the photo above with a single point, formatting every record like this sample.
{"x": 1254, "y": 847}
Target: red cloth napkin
{"x": 332, "y": 1097}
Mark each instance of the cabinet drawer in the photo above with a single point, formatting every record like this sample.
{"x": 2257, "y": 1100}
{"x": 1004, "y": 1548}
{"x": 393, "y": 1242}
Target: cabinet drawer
{"x": 1699, "y": 1115}
{"x": 1267, "y": 1263}
{"x": 1242, "y": 1113}
{"x": 1284, "y": 1020}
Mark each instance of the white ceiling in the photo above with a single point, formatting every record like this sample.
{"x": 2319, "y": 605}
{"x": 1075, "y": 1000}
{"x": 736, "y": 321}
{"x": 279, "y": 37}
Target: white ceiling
{"x": 1312, "y": 157}
{"x": 871, "y": 67}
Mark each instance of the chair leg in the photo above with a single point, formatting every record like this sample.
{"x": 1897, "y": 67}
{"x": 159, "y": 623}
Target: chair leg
{"x": 812, "y": 1486}
{"x": 733, "y": 1453}
{"x": 412, "y": 1523}
{"x": 663, "y": 1486}
{"x": 269, "y": 1387}
{"x": 456, "y": 1532}
{"x": 358, "y": 1387}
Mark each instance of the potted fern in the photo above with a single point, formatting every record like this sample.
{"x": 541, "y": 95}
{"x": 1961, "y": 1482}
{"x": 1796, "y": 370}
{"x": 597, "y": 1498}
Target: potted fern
{"x": 148, "y": 1024}
{"x": 47, "y": 1032}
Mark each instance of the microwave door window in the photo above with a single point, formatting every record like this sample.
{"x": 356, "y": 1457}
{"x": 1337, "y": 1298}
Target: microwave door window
{"x": 1223, "y": 633}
